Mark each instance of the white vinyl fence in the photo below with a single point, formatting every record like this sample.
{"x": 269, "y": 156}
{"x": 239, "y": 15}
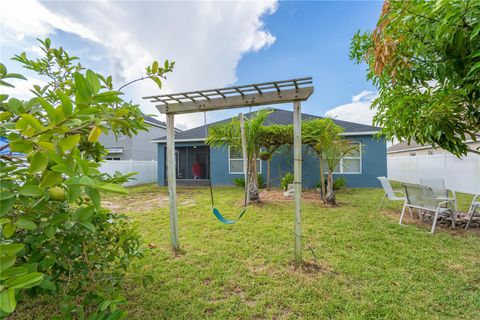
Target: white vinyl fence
{"x": 462, "y": 175}
{"x": 146, "y": 170}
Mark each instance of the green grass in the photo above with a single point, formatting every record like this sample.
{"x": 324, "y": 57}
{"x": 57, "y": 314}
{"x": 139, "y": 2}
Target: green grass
{"x": 363, "y": 265}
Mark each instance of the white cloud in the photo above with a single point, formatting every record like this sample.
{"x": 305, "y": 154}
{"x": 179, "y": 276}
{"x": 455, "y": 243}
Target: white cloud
{"x": 358, "y": 110}
{"x": 205, "y": 39}
{"x": 22, "y": 88}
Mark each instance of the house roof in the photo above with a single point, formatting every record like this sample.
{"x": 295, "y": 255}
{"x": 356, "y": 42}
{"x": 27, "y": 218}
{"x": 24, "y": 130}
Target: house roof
{"x": 405, "y": 146}
{"x": 154, "y": 121}
{"x": 278, "y": 116}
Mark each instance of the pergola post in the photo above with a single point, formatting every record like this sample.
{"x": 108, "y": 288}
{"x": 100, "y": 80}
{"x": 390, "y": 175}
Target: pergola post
{"x": 172, "y": 182}
{"x": 297, "y": 176}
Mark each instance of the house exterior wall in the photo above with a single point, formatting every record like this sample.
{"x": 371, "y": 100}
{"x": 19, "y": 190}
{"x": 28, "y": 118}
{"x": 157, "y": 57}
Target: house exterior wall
{"x": 137, "y": 147}
{"x": 373, "y": 164}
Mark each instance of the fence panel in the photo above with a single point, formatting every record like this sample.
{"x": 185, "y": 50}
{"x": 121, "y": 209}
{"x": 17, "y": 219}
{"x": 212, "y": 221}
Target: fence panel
{"x": 462, "y": 175}
{"x": 146, "y": 170}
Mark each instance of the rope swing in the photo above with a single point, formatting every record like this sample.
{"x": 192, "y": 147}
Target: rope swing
{"x": 215, "y": 211}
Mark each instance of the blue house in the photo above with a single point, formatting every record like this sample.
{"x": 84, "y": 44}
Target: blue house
{"x": 196, "y": 162}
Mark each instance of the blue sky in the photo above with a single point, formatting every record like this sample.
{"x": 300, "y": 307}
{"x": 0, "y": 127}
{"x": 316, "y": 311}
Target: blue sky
{"x": 214, "y": 44}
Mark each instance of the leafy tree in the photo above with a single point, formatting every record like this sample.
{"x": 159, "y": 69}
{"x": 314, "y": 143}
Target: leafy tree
{"x": 318, "y": 134}
{"x": 55, "y": 235}
{"x": 273, "y": 137}
{"x": 229, "y": 134}
{"x": 424, "y": 57}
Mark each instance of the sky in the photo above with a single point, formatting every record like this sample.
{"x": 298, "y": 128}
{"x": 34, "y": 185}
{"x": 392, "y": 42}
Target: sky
{"x": 214, "y": 44}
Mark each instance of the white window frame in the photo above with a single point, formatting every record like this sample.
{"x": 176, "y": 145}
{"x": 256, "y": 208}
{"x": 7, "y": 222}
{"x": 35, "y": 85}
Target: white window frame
{"x": 353, "y": 158}
{"x": 229, "y": 166}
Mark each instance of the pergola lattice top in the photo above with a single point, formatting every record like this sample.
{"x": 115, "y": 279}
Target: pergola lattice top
{"x": 234, "y": 97}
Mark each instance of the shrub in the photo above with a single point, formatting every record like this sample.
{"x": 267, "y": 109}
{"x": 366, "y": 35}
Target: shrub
{"x": 240, "y": 182}
{"x": 286, "y": 180}
{"x": 55, "y": 235}
{"x": 337, "y": 183}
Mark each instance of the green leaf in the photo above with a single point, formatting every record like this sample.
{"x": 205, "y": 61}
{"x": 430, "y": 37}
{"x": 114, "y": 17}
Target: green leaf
{"x": 51, "y": 113}
{"x": 31, "y": 191}
{"x": 15, "y": 76}
{"x": 16, "y": 106}
{"x": 10, "y": 249}
{"x": 6, "y": 205}
{"x": 154, "y": 67}
{"x": 74, "y": 192}
{"x": 88, "y": 225}
{"x": 7, "y": 262}
{"x": 157, "y": 81}
{"x": 69, "y": 142}
{"x": 7, "y": 300}
{"x": 25, "y": 281}
{"x": 63, "y": 168}
{"x": 8, "y": 230}
{"x": 32, "y": 121}
{"x": 84, "y": 213}
{"x": 51, "y": 179}
{"x": 24, "y": 146}
{"x": 13, "y": 272}
{"x": 50, "y": 231}
{"x": 39, "y": 162}
{"x": 94, "y": 196}
{"x": 110, "y": 187}
{"x": 82, "y": 93}
{"x": 26, "y": 224}
{"x": 94, "y": 134}
{"x": 117, "y": 314}
{"x": 3, "y": 70}
{"x": 48, "y": 285}
{"x": 6, "y": 195}
{"x": 67, "y": 105}
{"x": 93, "y": 81}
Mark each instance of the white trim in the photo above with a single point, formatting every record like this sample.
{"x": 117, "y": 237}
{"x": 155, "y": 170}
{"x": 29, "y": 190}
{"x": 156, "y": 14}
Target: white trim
{"x": 229, "y": 170}
{"x": 363, "y": 133}
{"x": 155, "y": 124}
{"x": 424, "y": 147}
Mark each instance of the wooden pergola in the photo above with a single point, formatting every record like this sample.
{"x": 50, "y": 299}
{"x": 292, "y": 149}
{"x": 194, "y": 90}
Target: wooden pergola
{"x": 274, "y": 92}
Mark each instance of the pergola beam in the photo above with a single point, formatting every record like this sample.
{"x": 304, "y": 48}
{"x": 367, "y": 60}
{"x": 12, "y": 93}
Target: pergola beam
{"x": 239, "y": 101}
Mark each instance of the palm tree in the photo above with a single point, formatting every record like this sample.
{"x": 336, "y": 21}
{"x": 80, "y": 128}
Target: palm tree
{"x": 319, "y": 133}
{"x": 334, "y": 151}
{"x": 271, "y": 138}
{"x": 228, "y": 134}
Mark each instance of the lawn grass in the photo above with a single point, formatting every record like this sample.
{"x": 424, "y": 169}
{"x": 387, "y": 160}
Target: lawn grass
{"x": 360, "y": 264}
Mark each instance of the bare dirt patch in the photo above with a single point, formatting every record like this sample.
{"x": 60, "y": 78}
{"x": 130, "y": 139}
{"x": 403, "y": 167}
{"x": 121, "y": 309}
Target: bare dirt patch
{"x": 140, "y": 202}
{"x": 277, "y": 196}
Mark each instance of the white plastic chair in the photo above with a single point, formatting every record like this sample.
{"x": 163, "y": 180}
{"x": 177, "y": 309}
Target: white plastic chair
{"x": 474, "y": 206}
{"x": 440, "y": 190}
{"x": 389, "y": 192}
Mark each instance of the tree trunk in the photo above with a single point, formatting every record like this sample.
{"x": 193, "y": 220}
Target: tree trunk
{"x": 330, "y": 197}
{"x": 322, "y": 177}
{"x": 268, "y": 174}
{"x": 252, "y": 179}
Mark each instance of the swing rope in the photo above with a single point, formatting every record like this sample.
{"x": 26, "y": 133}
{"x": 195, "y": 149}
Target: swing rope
{"x": 215, "y": 211}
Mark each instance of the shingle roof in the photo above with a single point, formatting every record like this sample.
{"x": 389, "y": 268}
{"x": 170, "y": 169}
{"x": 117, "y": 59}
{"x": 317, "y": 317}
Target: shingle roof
{"x": 155, "y": 121}
{"x": 278, "y": 116}
{"x": 404, "y": 146}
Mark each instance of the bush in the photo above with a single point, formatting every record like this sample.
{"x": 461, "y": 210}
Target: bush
{"x": 286, "y": 180}
{"x": 55, "y": 236}
{"x": 240, "y": 182}
{"x": 337, "y": 183}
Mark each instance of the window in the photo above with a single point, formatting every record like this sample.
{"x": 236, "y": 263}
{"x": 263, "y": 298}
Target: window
{"x": 430, "y": 153}
{"x": 412, "y": 154}
{"x": 351, "y": 163}
{"x": 235, "y": 162}
{"x": 110, "y": 158}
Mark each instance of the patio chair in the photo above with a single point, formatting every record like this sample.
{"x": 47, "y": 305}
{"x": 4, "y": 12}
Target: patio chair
{"x": 423, "y": 198}
{"x": 439, "y": 189}
{"x": 474, "y": 206}
{"x": 389, "y": 192}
